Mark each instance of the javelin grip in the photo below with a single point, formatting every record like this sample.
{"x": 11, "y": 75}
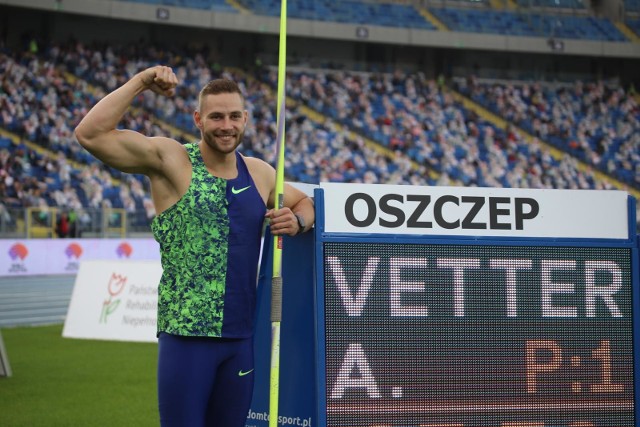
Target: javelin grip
{"x": 276, "y": 299}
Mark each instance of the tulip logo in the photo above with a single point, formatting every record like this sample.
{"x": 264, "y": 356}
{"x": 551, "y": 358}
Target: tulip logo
{"x": 124, "y": 250}
{"x": 115, "y": 286}
{"x": 18, "y": 253}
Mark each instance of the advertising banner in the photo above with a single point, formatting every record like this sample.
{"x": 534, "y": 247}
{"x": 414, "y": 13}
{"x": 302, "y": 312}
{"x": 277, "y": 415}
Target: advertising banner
{"x": 22, "y": 257}
{"x": 114, "y": 300}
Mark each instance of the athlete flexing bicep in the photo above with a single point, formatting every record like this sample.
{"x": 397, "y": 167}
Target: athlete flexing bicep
{"x": 209, "y": 228}
{"x": 163, "y": 160}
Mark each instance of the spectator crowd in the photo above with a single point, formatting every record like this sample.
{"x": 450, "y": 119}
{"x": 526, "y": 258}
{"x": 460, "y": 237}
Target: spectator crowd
{"x": 342, "y": 126}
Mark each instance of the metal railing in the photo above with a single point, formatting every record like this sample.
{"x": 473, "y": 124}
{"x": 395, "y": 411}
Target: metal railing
{"x": 36, "y": 222}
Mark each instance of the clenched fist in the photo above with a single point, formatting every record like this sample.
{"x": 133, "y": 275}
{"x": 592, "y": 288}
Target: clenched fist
{"x": 160, "y": 79}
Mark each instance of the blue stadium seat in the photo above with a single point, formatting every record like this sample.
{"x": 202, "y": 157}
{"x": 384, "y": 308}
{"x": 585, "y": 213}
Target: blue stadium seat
{"x": 632, "y": 5}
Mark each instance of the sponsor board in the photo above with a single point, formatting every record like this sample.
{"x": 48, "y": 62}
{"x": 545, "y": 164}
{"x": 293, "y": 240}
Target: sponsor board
{"x": 63, "y": 256}
{"x": 114, "y": 300}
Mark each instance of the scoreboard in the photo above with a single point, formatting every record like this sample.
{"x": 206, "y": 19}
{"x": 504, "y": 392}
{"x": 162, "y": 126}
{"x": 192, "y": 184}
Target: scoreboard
{"x": 459, "y": 307}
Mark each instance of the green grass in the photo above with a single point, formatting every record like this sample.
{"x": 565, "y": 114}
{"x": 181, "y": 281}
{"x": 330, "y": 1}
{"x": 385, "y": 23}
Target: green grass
{"x": 68, "y": 382}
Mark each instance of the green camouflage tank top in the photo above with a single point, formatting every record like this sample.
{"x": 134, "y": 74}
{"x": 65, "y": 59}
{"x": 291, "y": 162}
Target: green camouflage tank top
{"x": 209, "y": 246}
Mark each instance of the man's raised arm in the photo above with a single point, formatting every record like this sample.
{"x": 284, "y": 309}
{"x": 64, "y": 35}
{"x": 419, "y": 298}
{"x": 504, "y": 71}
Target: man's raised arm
{"x": 126, "y": 150}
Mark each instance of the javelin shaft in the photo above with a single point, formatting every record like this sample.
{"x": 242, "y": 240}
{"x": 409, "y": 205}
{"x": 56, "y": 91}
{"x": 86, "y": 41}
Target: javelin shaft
{"x": 276, "y": 284}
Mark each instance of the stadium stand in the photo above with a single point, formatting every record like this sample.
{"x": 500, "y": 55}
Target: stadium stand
{"x": 594, "y": 123}
{"x": 214, "y": 5}
{"x": 529, "y": 24}
{"x": 417, "y": 121}
{"x": 351, "y": 11}
{"x": 534, "y": 18}
{"x": 419, "y": 118}
{"x": 632, "y": 5}
{"x": 92, "y": 185}
{"x": 554, "y": 4}
{"x": 634, "y": 24}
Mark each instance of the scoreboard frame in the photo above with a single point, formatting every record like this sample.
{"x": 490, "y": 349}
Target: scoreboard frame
{"x": 381, "y": 402}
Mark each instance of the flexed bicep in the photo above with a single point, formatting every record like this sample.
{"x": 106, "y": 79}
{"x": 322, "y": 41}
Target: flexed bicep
{"x": 129, "y": 151}
{"x": 126, "y": 150}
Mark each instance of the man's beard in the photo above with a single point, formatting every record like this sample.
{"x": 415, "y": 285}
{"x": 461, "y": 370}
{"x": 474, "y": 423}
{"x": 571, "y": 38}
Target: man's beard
{"x": 211, "y": 139}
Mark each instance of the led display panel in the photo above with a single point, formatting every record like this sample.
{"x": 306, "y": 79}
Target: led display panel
{"x": 455, "y": 335}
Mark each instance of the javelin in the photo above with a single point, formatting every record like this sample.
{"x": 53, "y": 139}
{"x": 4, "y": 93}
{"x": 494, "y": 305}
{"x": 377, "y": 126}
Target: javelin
{"x": 276, "y": 282}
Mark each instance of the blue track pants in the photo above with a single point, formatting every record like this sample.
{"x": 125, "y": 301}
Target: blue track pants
{"x": 204, "y": 381}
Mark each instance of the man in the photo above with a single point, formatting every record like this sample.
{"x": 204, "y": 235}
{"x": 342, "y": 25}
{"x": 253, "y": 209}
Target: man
{"x": 211, "y": 203}
{"x": 63, "y": 225}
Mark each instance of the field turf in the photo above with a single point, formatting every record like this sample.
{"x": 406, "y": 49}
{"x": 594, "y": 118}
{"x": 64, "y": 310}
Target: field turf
{"x": 58, "y": 381}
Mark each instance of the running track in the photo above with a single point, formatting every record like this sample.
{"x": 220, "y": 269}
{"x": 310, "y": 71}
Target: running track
{"x": 34, "y": 300}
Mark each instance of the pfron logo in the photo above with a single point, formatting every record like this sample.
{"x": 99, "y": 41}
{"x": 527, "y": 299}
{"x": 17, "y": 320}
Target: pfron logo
{"x": 73, "y": 253}
{"x": 124, "y": 250}
{"x": 115, "y": 286}
{"x": 74, "y": 250}
{"x": 18, "y": 253}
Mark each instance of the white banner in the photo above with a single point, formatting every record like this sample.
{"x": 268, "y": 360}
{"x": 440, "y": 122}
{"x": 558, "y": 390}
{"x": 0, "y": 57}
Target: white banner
{"x": 114, "y": 300}
{"x": 475, "y": 211}
{"x": 63, "y": 256}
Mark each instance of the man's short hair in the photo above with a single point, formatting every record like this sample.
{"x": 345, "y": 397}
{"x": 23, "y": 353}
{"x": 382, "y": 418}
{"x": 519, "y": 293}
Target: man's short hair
{"x": 219, "y": 86}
